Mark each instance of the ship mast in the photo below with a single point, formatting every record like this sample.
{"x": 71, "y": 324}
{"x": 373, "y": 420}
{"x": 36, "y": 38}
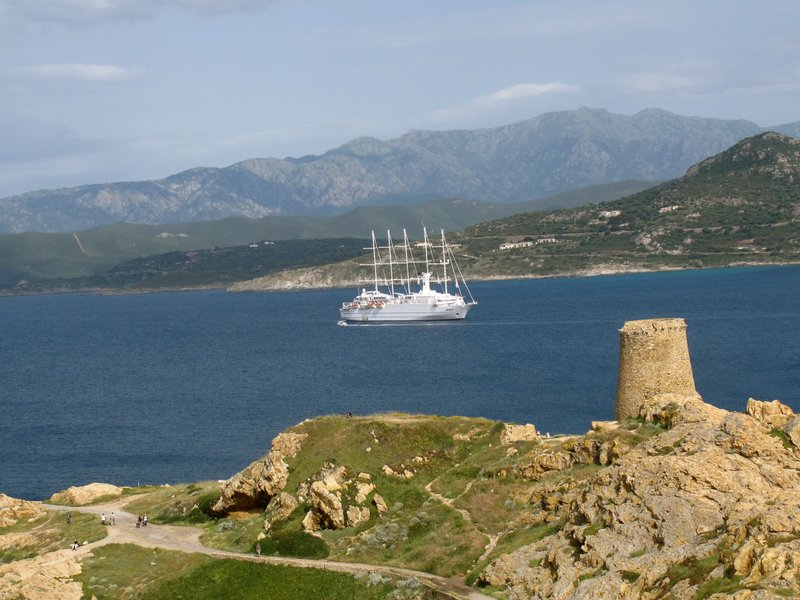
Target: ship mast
{"x": 375, "y": 258}
{"x": 444, "y": 261}
{"x": 391, "y": 261}
{"x": 408, "y": 273}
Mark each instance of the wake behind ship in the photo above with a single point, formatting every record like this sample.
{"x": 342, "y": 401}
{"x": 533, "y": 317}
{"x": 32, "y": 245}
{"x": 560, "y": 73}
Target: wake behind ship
{"x": 403, "y": 288}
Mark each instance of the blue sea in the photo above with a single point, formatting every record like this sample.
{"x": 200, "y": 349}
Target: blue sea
{"x": 171, "y": 387}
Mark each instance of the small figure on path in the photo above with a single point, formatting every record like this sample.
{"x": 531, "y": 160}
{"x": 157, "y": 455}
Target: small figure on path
{"x": 144, "y": 520}
{"x": 113, "y": 519}
{"x": 74, "y": 545}
{"x": 138, "y": 521}
{"x": 258, "y": 548}
{"x": 103, "y": 518}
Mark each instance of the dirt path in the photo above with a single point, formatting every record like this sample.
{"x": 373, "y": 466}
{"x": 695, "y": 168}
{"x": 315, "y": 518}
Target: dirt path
{"x": 184, "y": 538}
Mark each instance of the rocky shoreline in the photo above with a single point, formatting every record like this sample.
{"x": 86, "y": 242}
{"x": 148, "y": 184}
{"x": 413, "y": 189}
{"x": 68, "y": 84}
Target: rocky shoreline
{"x": 316, "y": 278}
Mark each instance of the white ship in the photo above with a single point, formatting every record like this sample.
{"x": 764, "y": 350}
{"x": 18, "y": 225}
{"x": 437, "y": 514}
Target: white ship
{"x": 405, "y": 289}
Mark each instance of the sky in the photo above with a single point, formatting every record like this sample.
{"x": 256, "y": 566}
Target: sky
{"x": 95, "y": 91}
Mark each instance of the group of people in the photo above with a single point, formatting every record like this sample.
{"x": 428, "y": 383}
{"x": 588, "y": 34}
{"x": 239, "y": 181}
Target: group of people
{"x": 141, "y": 521}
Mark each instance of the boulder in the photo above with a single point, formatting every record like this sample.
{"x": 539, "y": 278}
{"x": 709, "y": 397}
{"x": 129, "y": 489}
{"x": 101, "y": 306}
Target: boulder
{"x": 770, "y": 414}
{"x": 13, "y": 510}
{"x": 380, "y": 503}
{"x": 674, "y": 409}
{"x": 363, "y": 490}
{"x": 85, "y": 494}
{"x": 518, "y": 433}
{"x": 326, "y": 509}
{"x": 357, "y": 515}
{"x": 279, "y": 509}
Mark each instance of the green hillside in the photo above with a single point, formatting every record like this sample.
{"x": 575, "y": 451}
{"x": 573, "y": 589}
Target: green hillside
{"x": 213, "y": 267}
{"x": 739, "y": 207}
{"x": 38, "y": 257}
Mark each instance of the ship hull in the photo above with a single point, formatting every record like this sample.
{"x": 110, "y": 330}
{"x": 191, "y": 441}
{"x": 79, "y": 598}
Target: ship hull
{"x": 405, "y": 312}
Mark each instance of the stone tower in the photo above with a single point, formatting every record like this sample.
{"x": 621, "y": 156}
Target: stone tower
{"x": 653, "y": 360}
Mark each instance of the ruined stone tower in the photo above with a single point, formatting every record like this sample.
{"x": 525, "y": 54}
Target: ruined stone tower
{"x": 653, "y": 360}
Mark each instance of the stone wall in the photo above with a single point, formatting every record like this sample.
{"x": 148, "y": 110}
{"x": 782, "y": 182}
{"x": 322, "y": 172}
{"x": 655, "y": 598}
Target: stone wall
{"x": 653, "y": 360}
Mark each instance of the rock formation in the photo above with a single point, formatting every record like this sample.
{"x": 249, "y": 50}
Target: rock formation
{"x": 653, "y": 359}
{"x": 13, "y": 510}
{"x": 518, "y": 433}
{"x": 708, "y": 501}
{"x": 279, "y": 509}
{"x": 256, "y": 485}
{"x": 42, "y": 578}
{"x": 85, "y": 494}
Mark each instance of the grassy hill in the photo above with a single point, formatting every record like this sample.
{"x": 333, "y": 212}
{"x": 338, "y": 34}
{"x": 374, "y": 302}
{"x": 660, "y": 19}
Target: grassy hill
{"x": 740, "y": 206}
{"x": 40, "y": 257}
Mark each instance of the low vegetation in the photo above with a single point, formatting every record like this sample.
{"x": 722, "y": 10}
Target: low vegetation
{"x": 125, "y": 571}
{"x": 52, "y": 531}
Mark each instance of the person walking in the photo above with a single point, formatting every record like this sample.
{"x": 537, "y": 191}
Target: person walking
{"x": 103, "y": 519}
{"x": 113, "y": 519}
{"x": 258, "y": 548}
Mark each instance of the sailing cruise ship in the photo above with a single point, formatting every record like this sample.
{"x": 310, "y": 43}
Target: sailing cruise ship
{"x": 404, "y": 289}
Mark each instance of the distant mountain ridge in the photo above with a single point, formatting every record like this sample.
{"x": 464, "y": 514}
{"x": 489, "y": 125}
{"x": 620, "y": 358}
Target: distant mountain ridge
{"x": 34, "y": 256}
{"x": 552, "y": 153}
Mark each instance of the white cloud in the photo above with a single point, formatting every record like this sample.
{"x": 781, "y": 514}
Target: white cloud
{"x": 515, "y": 95}
{"x": 74, "y": 72}
{"x": 522, "y": 91}
{"x": 706, "y": 78}
{"x": 691, "y": 77}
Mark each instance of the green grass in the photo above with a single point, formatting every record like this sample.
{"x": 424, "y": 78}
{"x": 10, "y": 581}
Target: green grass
{"x": 722, "y": 585}
{"x": 431, "y": 537}
{"x": 51, "y": 532}
{"x": 246, "y": 580}
{"x": 125, "y": 571}
{"x": 177, "y": 504}
{"x": 783, "y": 437}
{"x": 514, "y": 540}
{"x": 234, "y": 535}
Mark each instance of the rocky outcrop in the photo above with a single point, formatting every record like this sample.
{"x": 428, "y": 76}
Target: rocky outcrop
{"x": 13, "y": 510}
{"x": 85, "y": 494}
{"x": 380, "y": 504}
{"x": 326, "y": 509}
{"x": 712, "y": 496}
{"x": 255, "y": 486}
{"x": 42, "y": 578}
{"x": 518, "y": 433}
{"x": 336, "y": 500}
{"x": 279, "y": 509}
{"x": 356, "y": 515}
{"x": 771, "y": 414}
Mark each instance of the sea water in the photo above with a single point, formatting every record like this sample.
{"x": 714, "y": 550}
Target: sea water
{"x": 169, "y": 387}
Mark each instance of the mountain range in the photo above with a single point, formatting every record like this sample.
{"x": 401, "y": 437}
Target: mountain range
{"x": 549, "y": 154}
{"x": 738, "y": 207}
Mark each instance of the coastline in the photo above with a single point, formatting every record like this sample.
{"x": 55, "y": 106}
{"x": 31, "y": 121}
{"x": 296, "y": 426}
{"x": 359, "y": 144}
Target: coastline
{"x": 283, "y": 283}
{"x": 299, "y": 280}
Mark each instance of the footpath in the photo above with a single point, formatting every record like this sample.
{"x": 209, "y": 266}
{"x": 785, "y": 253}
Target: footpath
{"x": 185, "y": 538}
